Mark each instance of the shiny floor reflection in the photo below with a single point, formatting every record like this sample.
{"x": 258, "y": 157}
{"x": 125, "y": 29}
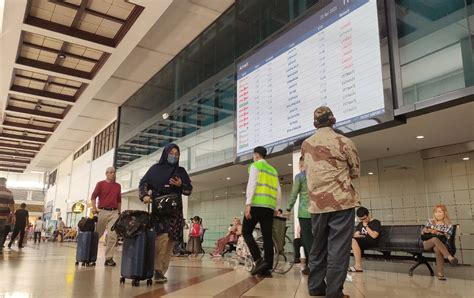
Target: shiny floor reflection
{"x": 49, "y": 271}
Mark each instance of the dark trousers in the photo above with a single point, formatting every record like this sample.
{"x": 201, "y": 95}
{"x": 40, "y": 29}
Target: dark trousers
{"x": 37, "y": 235}
{"x": 306, "y": 236}
{"x": 330, "y": 252}
{"x": 18, "y": 230}
{"x": 296, "y": 246}
{"x": 264, "y": 216}
{"x": 4, "y": 234}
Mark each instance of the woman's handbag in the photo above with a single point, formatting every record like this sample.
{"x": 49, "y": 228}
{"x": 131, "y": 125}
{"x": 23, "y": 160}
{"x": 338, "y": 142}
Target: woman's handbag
{"x": 167, "y": 204}
{"x": 428, "y": 236}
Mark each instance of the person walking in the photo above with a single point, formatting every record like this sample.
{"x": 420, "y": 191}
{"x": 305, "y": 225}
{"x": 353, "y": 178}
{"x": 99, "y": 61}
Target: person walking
{"x": 7, "y": 205}
{"x": 21, "y": 221}
{"x": 166, "y": 178}
{"x": 300, "y": 189}
{"x": 331, "y": 164}
{"x": 107, "y": 209}
{"x": 60, "y": 227}
{"x": 263, "y": 198}
{"x": 38, "y": 228}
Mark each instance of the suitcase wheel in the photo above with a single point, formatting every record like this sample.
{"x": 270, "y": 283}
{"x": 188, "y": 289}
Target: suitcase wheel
{"x": 135, "y": 283}
{"x": 76, "y": 264}
{"x": 84, "y": 264}
{"x": 122, "y": 280}
{"x": 149, "y": 282}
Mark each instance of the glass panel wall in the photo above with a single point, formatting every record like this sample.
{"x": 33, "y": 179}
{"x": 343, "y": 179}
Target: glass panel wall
{"x": 191, "y": 100}
{"x": 435, "y": 47}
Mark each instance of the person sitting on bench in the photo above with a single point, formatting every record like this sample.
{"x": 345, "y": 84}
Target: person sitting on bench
{"x": 435, "y": 237}
{"x": 365, "y": 236}
{"x": 232, "y": 236}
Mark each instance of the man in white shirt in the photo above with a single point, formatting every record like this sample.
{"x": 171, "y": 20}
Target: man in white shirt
{"x": 60, "y": 228}
{"x": 263, "y": 198}
{"x": 38, "y": 228}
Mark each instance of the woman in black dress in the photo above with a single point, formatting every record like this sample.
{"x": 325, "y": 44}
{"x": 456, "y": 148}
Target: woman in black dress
{"x": 165, "y": 177}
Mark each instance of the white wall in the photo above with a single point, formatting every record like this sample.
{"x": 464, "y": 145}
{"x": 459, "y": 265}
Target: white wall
{"x": 76, "y": 179}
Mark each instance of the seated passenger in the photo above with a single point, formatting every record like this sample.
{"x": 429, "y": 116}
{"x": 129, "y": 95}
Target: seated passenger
{"x": 435, "y": 236}
{"x": 232, "y": 236}
{"x": 365, "y": 236}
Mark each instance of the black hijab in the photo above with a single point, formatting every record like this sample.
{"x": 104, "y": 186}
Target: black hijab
{"x": 160, "y": 173}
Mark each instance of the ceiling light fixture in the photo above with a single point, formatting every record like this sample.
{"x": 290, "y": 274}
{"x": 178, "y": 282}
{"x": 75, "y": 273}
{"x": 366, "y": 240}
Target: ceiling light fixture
{"x": 465, "y": 158}
{"x": 420, "y": 137}
{"x": 290, "y": 164}
{"x": 61, "y": 56}
{"x": 228, "y": 178}
{"x": 165, "y": 116}
{"x": 370, "y": 173}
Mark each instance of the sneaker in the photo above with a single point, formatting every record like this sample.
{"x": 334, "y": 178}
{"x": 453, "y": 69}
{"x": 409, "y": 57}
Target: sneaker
{"x": 21, "y": 246}
{"x": 160, "y": 278}
{"x": 260, "y": 266}
{"x": 266, "y": 274}
{"x": 110, "y": 262}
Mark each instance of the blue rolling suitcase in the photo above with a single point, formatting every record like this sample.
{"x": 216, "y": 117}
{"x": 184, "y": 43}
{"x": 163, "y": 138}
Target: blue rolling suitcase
{"x": 138, "y": 258}
{"x": 87, "y": 246}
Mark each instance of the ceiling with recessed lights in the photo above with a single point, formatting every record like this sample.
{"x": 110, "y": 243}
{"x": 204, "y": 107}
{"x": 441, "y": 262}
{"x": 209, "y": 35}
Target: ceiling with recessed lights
{"x": 68, "y": 64}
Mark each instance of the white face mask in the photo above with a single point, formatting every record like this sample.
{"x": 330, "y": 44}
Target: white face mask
{"x": 172, "y": 159}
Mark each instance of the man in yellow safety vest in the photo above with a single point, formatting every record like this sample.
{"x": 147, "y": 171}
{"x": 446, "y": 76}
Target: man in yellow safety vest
{"x": 263, "y": 197}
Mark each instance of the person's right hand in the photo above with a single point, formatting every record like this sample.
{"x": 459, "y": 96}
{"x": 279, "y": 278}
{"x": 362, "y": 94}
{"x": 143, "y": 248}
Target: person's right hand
{"x": 357, "y": 234}
{"x": 147, "y": 199}
{"x": 94, "y": 210}
{"x": 247, "y": 212}
{"x": 286, "y": 214}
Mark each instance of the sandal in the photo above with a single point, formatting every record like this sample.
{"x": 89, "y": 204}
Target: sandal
{"x": 353, "y": 269}
{"x": 454, "y": 262}
{"x": 441, "y": 277}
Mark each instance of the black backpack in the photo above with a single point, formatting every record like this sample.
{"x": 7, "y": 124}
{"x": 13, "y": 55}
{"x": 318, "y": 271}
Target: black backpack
{"x": 87, "y": 224}
{"x": 131, "y": 223}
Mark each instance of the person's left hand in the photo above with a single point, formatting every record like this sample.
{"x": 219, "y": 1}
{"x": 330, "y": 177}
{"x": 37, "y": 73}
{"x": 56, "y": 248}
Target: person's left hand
{"x": 176, "y": 181}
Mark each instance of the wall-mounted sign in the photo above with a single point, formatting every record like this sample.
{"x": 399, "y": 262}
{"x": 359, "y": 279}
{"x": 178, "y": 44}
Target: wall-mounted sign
{"x": 78, "y": 208}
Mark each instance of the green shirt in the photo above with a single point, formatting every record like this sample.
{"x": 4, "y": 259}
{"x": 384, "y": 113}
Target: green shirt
{"x": 300, "y": 187}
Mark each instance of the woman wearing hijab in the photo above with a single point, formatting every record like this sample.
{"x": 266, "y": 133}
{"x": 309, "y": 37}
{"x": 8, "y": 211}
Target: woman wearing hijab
{"x": 165, "y": 177}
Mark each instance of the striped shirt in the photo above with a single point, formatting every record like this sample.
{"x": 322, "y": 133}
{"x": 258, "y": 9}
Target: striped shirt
{"x": 6, "y": 203}
{"x": 444, "y": 228}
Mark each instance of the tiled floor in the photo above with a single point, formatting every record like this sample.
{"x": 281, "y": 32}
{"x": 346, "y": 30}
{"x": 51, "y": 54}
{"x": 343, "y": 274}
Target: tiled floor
{"x": 49, "y": 271}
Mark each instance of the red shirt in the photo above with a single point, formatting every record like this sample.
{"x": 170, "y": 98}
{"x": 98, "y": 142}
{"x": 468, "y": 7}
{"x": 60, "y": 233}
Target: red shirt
{"x": 109, "y": 194}
{"x": 196, "y": 230}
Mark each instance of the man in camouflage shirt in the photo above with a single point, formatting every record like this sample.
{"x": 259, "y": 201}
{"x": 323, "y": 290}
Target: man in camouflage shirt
{"x": 331, "y": 162}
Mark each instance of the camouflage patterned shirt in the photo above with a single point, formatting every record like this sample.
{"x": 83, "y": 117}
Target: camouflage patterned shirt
{"x": 331, "y": 162}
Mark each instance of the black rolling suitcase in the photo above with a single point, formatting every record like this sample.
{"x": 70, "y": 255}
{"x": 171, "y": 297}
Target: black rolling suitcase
{"x": 138, "y": 258}
{"x": 87, "y": 246}
{"x": 138, "y": 250}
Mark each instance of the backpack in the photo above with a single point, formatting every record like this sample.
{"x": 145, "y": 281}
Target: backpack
{"x": 132, "y": 223}
{"x": 87, "y": 224}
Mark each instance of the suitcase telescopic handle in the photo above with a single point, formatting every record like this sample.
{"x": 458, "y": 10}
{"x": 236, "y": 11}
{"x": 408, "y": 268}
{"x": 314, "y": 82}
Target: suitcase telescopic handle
{"x": 150, "y": 192}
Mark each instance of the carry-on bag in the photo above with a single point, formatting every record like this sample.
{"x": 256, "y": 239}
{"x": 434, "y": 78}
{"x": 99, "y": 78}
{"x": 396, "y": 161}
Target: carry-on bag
{"x": 87, "y": 247}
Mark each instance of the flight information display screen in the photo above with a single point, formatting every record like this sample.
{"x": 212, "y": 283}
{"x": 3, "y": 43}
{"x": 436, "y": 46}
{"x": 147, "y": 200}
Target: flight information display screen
{"x": 331, "y": 58}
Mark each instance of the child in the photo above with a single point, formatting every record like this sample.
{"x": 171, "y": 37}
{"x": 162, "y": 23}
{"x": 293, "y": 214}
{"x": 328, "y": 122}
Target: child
{"x": 194, "y": 245}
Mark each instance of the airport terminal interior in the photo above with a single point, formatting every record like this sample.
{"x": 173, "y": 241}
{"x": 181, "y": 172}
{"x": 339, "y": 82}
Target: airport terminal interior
{"x": 100, "y": 100}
